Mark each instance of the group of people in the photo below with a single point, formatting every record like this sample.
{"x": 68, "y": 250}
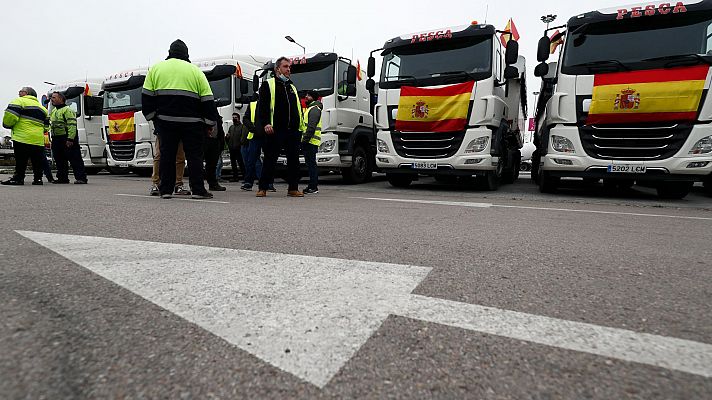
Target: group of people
{"x": 29, "y": 120}
{"x": 176, "y": 96}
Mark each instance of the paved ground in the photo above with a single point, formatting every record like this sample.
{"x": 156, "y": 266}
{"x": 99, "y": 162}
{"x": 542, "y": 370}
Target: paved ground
{"x": 507, "y": 294}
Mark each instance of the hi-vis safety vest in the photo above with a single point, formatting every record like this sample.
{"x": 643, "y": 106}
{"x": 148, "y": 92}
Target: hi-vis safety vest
{"x": 271, "y": 84}
{"x": 27, "y": 119}
{"x": 316, "y": 139}
{"x": 253, "y": 112}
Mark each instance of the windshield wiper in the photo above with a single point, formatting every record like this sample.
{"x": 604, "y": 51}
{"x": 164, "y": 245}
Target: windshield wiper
{"x": 465, "y": 73}
{"x": 401, "y": 78}
{"x": 603, "y": 64}
{"x": 683, "y": 58}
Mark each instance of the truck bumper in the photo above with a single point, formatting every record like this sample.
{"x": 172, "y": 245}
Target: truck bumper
{"x": 145, "y": 150}
{"x": 681, "y": 167}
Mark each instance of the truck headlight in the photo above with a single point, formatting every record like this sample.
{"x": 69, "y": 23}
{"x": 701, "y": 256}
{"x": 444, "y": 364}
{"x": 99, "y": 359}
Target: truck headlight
{"x": 327, "y": 146}
{"x": 84, "y": 153}
{"x": 703, "y": 146}
{"x": 562, "y": 144}
{"x": 142, "y": 153}
{"x": 477, "y": 145}
{"x": 382, "y": 146}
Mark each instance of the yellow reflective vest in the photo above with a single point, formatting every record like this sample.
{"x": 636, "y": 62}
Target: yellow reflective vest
{"x": 253, "y": 112}
{"x": 27, "y": 119}
{"x": 316, "y": 139}
{"x": 271, "y": 84}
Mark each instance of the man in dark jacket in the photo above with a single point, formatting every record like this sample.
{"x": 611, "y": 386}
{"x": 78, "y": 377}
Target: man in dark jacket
{"x": 236, "y": 138}
{"x": 214, "y": 143}
{"x": 311, "y": 139}
{"x": 282, "y": 124}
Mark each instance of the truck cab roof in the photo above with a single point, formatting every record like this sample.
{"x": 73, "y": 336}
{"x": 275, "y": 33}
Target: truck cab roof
{"x": 654, "y": 9}
{"x": 455, "y": 32}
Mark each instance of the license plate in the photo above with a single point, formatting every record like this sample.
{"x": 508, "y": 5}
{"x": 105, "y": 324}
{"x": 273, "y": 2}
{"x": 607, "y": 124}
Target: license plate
{"x": 425, "y": 165}
{"x": 122, "y": 165}
{"x": 627, "y": 168}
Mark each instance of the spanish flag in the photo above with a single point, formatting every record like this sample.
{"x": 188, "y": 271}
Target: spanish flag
{"x": 647, "y": 96}
{"x": 87, "y": 92}
{"x": 434, "y": 110}
{"x": 556, "y": 39}
{"x": 121, "y": 126}
{"x": 511, "y": 32}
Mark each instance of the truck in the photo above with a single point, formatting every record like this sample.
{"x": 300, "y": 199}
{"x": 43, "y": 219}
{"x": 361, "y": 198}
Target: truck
{"x": 83, "y": 97}
{"x": 348, "y": 141}
{"x": 450, "y": 103}
{"x": 626, "y": 101}
{"x": 130, "y": 139}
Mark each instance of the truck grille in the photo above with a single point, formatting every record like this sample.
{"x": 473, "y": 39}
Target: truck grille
{"x": 122, "y": 150}
{"x": 427, "y": 144}
{"x": 639, "y": 143}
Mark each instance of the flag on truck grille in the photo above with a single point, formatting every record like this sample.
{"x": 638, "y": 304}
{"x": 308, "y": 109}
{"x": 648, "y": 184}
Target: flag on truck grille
{"x": 434, "y": 110}
{"x": 647, "y": 96}
{"x": 121, "y": 126}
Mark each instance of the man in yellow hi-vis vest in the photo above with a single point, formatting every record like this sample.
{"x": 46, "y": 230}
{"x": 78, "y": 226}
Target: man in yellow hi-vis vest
{"x": 280, "y": 115}
{"x": 27, "y": 119}
{"x": 251, "y": 152}
{"x": 311, "y": 139}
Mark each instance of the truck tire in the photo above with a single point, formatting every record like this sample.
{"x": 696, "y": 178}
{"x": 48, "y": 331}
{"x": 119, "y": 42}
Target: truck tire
{"x": 360, "y": 170}
{"x": 673, "y": 190}
{"x": 399, "y": 180}
{"x": 708, "y": 185}
{"x": 548, "y": 183}
{"x": 489, "y": 181}
{"x": 536, "y": 159}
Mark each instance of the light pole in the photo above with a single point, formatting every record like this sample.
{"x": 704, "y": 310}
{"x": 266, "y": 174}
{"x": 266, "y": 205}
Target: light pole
{"x": 289, "y": 38}
{"x": 547, "y": 19}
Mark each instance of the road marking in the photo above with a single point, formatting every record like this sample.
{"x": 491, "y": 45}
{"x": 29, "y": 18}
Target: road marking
{"x": 309, "y": 315}
{"x": 489, "y": 205}
{"x": 174, "y": 198}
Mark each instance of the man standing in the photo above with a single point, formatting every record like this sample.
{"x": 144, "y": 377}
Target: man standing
{"x": 178, "y": 99}
{"x": 236, "y": 137}
{"x": 65, "y": 143}
{"x": 251, "y": 152}
{"x": 311, "y": 139}
{"x": 280, "y": 115}
{"x": 28, "y": 121}
{"x": 214, "y": 144}
{"x": 179, "y": 190}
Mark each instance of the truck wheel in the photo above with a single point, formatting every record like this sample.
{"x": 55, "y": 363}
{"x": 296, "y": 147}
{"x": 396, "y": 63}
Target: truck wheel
{"x": 92, "y": 170}
{"x": 360, "y": 170}
{"x": 489, "y": 181}
{"x": 674, "y": 190}
{"x": 399, "y": 180}
{"x": 708, "y": 185}
{"x": 536, "y": 159}
{"x": 548, "y": 183}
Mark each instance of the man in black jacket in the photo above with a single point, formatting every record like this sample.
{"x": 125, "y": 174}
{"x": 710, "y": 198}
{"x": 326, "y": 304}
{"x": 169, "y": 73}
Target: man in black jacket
{"x": 282, "y": 124}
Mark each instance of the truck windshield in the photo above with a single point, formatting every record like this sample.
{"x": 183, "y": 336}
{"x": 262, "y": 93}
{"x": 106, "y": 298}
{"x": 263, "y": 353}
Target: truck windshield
{"x": 636, "y": 44}
{"x": 314, "y": 76}
{"x": 122, "y": 99}
{"x": 437, "y": 62}
{"x": 75, "y": 105}
{"x": 222, "y": 90}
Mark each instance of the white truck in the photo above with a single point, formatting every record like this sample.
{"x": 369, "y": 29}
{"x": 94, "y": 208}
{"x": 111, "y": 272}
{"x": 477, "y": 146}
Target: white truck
{"x": 122, "y": 102}
{"x": 450, "y": 103}
{"x": 83, "y": 97}
{"x": 627, "y": 101}
{"x": 347, "y": 135}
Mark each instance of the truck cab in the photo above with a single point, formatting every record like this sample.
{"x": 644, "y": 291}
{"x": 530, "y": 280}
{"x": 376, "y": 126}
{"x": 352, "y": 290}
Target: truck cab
{"x": 450, "y": 102}
{"x": 627, "y": 99}
{"x": 84, "y": 99}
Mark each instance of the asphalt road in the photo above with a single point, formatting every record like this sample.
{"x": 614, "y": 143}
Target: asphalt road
{"x": 490, "y": 295}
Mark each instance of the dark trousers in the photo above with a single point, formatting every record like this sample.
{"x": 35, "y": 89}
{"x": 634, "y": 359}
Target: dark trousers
{"x": 253, "y": 166}
{"x": 212, "y": 150}
{"x": 191, "y": 135}
{"x": 46, "y": 168}
{"x": 273, "y": 144}
{"x": 24, "y": 152}
{"x": 64, "y": 156}
{"x": 310, "y": 160}
{"x": 235, "y": 160}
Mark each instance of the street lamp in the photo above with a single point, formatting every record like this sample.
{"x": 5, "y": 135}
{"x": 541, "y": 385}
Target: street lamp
{"x": 50, "y": 83}
{"x": 547, "y": 19}
{"x": 289, "y": 38}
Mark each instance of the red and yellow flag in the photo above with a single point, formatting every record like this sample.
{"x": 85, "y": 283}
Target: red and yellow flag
{"x": 434, "y": 110}
{"x": 121, "y": 126}
{"x": 512, "y": 33}
{"x": 358, "y": 70}
{"x": 647, "y": 96}
{"x": 556, "y": 40}
{"x": 87, "y": 91}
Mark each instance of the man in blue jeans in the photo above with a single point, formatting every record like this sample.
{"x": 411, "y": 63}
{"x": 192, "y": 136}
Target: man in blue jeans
{"x": 252, "y": 150}
{"x": 311, "y": 139}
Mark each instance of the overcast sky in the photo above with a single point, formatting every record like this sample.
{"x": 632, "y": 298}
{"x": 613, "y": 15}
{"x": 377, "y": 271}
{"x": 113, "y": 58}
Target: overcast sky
{"x": 96, "y": 38}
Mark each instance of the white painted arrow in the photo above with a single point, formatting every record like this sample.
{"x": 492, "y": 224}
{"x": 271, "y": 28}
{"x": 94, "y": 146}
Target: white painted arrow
{"x": 309, "y": 315}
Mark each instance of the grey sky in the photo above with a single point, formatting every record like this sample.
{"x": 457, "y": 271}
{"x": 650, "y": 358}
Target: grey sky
{"x": 96, "y": 38}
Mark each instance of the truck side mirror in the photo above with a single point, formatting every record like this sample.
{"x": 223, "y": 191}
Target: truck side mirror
{"x": 370, "y": 85}
{"x": 371, "y": 68}
{"x": 512, "y": 53}
{"x": 243, "y": 86}
{"x": 511, "y": 72}
{"x": 256, "y": 83}
{"x": 541, "y": 70}
{"x": 351, "y": 75}
{"x": 543, "y": 49}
